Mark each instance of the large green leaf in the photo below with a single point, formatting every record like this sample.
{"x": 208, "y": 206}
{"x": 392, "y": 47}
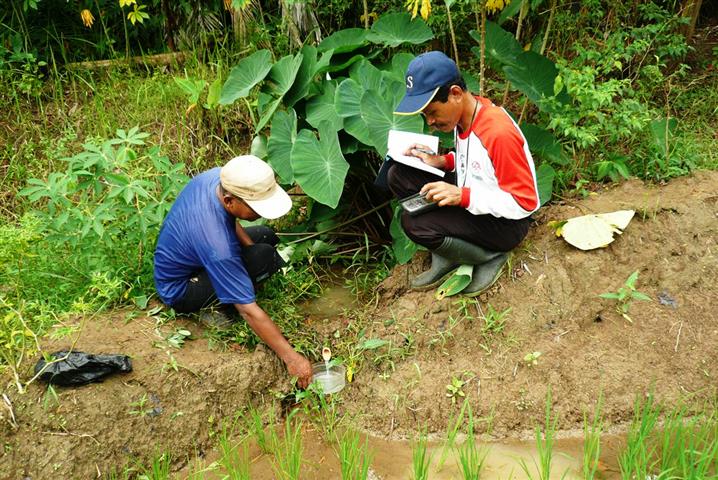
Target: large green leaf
{"x": 510, "y": 10}
{"x": 543, "y": 144}
{"x": 347, "y": 98}
{"x": 544, "y": 178}
{"x": 281, "y": 140}
{"x": 321, "y": 108}
{"x": 243, "y": 77}
{"x": 282, "y": 76}
{"x": 343, "y": 41}
{"x": 394, "y": 29}
{"x": 304, "y": 77}
{"x": 533, "y": 75}
{"x": 319, "y": 166}
{"x": 661, "y": 131}
{"x": 402, "y": 246}
{"x": 501, "y": 46}
{"x": 357, "y": 127}
{"x": 367, "y": 75}
{"x": 378, "y": 114}
{"x": 399, "y": 65}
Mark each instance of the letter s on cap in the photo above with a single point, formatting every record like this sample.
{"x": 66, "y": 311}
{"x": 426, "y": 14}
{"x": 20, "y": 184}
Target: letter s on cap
{"x": 409, "y": 82}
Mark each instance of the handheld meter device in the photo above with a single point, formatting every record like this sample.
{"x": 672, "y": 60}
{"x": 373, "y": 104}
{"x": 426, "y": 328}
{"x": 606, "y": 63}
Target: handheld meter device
{"x": 417, "y": 204}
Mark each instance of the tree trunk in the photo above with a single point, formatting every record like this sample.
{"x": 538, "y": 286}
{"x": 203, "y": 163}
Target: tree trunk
{"x": 691, "y": 8}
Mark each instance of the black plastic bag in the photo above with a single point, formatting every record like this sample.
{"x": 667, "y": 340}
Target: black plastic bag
{"x": 80, "y": 368}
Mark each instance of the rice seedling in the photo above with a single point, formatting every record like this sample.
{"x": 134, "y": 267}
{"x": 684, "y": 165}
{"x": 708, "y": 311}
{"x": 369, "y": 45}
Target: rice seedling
{"x": 592, "y": 441}
{"x": 544, "y": 445}
{"x": 471, "y": 457}
{"x": 255, "y": 427}
{"x": 287, "y": 462}
{"x": 689, "y": 447}
{"x": 234, "y": 455}
{"x": 638, "y": 459}
{"x": 419, "y": 457}
{"x": 451, "y": 433}
{"x": 354, "y": 456}
{"x": 159, "y": 468}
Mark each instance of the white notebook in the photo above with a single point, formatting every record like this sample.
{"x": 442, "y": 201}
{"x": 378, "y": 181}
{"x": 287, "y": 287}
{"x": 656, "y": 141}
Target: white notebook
{"x": 400, "y": 141}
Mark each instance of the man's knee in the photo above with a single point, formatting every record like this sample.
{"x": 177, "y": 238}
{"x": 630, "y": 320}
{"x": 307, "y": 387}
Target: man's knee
{"x": 261, "y": 261}
{"x": 262, "y": 234}
{"x": 421, "y": 232}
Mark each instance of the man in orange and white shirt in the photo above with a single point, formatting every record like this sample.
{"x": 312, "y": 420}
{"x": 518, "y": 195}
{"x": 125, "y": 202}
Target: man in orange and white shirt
{"x": 490, "y": 187}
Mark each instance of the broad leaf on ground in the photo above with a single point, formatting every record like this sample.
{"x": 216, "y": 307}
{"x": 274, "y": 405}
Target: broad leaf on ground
{"x": 319, "y": 166}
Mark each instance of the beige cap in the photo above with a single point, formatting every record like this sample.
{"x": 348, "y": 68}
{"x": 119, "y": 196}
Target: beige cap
{"x": 252, "y": 179}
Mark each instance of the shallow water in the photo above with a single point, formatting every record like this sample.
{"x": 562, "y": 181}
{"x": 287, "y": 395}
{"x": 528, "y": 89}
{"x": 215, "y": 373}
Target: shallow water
{"x": 392, "y": 459}
{"x": 334, "y": 300}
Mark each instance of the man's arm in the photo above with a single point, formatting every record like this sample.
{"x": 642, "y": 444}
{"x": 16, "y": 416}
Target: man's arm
{"x": 267, "y": 330}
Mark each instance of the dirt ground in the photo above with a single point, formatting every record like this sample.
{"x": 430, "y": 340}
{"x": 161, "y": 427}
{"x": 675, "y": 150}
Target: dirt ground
{"x": 587, "y": 348}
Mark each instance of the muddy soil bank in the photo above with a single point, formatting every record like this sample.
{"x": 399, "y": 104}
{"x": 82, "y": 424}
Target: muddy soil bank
{"x": 586, "y": 348}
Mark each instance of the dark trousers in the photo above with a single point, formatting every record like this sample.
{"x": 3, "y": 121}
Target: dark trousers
{"x": 261, "y": 261}
{"x": 429, "y": 229}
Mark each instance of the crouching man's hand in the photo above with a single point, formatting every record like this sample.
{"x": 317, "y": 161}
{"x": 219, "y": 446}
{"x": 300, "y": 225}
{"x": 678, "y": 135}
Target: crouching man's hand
{"x": 445, "y": 194}
{"x": 298, "y": 366}
{"x": 268, "y": 331}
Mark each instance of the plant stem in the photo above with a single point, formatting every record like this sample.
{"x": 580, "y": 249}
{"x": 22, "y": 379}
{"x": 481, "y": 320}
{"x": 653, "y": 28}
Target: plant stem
{"x": 451, "y": 31}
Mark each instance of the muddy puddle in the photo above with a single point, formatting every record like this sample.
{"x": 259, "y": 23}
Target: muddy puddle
{"x": 392, "y": 459}
{"x": 335, "y": 300}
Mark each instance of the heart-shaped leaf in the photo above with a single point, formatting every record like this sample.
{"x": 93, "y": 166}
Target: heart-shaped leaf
{"x": 378, "y": 114}
{"x": 343, "y": 41}
{"x": 347, "y": 98}
{"x": 543, "y": 144}
{"x": 394, "y": 29}
{"x": 281, "y": 140}
{"x": 319, "y": 166}
{"x": 321, "y": 108}
{"x": 533, "y": 75}
{"x": 501, "y": 46}
{"x": 282, "y": 76}
{"x": 243, "y": 77}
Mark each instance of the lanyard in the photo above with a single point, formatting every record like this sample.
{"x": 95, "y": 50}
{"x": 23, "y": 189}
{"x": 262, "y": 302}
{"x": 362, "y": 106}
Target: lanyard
{"x": 465, "y": 162}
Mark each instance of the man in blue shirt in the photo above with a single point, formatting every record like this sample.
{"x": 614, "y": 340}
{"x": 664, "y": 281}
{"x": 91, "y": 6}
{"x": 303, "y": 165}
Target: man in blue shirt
{"x": 204, "y": 255}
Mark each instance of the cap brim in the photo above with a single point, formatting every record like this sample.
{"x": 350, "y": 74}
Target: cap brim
{"x": 274, "y": 206}
{"x": 411, "y": 105}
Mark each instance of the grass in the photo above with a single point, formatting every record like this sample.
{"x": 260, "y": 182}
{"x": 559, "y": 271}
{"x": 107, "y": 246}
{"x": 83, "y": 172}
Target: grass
{"x": 287, "y": 462}
{"x": 354, "y": 456}
{"x": 420, "y": 461}
{"x": 592, "y": 441}
{"x": 470, "y": 457}
{"x": 234, "y": 457}
{"x": 544, "y": 445}
{"x": 254, "y": 423}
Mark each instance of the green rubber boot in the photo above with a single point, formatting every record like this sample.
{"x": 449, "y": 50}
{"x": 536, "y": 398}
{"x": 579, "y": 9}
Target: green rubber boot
{"x": 485, "y": 275}
{"x": 441, "y": 267}
{"x": 452, "y": 253}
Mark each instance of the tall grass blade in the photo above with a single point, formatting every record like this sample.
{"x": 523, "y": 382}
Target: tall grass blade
{"x": 419, "y": 457}
{"x": 354, "y": 456}
{"x": 287, "y": 461}
{"x": 592, "y": 441}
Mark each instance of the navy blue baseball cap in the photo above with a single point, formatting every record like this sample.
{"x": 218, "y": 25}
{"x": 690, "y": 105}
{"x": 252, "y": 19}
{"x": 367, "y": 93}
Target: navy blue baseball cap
{"x": 426, "y": 74}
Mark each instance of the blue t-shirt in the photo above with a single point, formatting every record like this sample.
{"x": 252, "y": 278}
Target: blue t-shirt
{"x": 197, "y": 234}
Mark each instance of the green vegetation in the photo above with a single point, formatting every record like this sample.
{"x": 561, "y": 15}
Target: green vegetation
{"x": 93, "y": 155}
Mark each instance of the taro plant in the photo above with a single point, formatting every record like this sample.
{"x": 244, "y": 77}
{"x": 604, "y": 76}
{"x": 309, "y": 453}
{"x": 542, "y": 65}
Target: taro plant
{"x": 330, "y": 106}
